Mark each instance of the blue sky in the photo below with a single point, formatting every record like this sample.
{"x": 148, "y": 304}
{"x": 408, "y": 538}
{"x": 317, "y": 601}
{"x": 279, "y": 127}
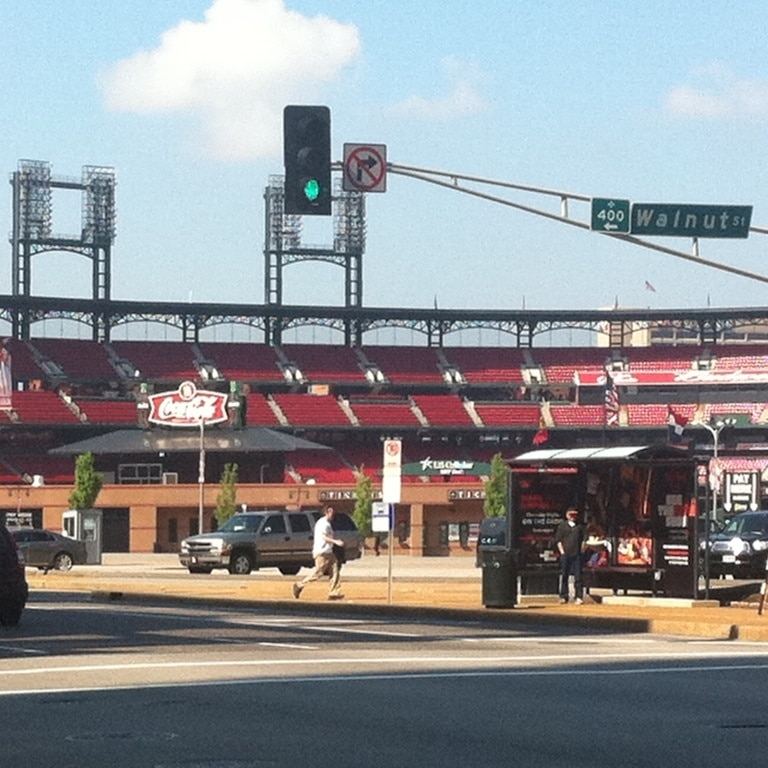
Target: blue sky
{"x": 649, "y": 101}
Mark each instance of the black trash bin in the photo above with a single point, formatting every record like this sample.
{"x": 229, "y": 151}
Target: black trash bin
{"x": 499, "y": 578}
{"x": 498, "y": 562}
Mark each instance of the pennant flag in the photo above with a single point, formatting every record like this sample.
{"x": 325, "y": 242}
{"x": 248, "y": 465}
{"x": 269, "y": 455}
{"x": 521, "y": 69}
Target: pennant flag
{"x": 677, "y": 422}
{"x": 611, "y": 401}
{"x": 542, "y": 435}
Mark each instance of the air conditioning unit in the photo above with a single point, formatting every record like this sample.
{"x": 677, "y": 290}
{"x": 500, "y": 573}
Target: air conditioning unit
{"x": 170, "y": 478}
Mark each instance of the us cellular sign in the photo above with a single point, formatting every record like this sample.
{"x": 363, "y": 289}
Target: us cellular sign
{"x": 669, "y": 219}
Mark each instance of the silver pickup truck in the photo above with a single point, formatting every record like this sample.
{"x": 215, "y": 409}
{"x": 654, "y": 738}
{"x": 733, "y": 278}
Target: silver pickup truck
{"x": 274, "y": 538}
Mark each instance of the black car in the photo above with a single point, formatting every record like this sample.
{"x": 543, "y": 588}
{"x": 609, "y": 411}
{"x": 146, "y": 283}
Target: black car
{"x": 13, "y": 583}
{"x": 741, "y": 548}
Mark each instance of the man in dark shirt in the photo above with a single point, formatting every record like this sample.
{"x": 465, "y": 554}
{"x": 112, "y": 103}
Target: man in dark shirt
{"x": 569, "y": 539}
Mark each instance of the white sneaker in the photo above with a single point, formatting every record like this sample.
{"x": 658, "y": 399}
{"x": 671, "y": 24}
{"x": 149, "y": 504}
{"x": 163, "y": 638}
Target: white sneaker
{"x": 578, "y": 601}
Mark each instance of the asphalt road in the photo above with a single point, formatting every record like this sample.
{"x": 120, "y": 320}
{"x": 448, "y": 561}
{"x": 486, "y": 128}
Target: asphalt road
{"x": 115, "y": 684}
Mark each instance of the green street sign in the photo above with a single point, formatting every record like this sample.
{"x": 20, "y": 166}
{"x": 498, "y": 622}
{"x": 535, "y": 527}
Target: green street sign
{"x": 670, "y": 220}
{"x": 610, "y": 215}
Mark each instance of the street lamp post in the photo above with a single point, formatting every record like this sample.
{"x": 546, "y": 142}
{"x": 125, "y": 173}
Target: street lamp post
{"x": 201, "y": 476}
{"x": 714, "y": 429}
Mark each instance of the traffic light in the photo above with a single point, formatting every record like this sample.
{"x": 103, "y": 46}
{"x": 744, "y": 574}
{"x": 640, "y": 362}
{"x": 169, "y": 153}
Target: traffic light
{"x": 307, "y": 160}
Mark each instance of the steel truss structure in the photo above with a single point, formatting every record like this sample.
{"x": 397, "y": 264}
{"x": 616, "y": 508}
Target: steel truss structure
{"x": 32, "y": 232}
{"x": 283, "y": 246}
{"x": 521, "y": 327}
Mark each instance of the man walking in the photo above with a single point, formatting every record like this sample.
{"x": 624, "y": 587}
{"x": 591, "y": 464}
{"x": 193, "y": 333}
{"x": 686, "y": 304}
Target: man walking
{"x": 326, "y": 562}
{"x": 569, "y": 539}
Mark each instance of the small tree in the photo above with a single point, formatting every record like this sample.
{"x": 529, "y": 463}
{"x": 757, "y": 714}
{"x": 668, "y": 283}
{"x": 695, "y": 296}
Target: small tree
{"x": 226, "y": 501}
{"x": 88, "y": 483}
{"x": 495, "y": 504}
{"x": 363, "y": 503}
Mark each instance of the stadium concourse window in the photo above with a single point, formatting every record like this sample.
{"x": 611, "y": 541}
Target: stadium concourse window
{"x": 140, "y": 474}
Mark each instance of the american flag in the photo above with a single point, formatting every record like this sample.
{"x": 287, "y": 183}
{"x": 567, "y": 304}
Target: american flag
{"x": 611, "y": 402}
{"x": 542, "y": 435}
{"x": 676, "y": 421}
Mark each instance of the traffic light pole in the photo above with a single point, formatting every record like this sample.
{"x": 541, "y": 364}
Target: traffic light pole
{"x": 451, "y": 181}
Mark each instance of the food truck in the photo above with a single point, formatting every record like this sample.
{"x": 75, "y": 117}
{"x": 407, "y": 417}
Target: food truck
{"x": 637, "y": 503}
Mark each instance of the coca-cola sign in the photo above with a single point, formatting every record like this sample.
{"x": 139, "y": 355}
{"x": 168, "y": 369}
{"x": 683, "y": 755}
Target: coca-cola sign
{"x": 188, "y": 406}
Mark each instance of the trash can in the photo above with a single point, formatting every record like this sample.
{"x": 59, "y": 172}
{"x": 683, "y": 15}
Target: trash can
{"x": 498, "y": 563}
{"x": 499, "y": 578}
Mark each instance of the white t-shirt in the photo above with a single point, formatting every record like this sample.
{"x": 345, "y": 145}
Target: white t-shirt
{"x": 320, "y": 546}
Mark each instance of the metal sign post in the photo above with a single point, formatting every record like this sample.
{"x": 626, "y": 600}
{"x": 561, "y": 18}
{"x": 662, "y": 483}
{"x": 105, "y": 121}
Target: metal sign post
{"x": 391, "y": 485}
{"x": 201, "y": 476}
{"x": 382, "y": 521}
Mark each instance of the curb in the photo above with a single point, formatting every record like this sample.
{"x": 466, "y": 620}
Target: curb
{"x": 517, "y": 615}
{"x": 540, "y": 613}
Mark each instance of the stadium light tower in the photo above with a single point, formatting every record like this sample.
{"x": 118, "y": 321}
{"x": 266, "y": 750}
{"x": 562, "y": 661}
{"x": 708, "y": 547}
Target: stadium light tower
{"x": 307, "y": 160}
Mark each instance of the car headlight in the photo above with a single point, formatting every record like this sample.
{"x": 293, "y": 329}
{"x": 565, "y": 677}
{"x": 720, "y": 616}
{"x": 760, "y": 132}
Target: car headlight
{"x": 184, "y": 546}
{"x": 760, "y": 545}
{"x": 218, "y": 547}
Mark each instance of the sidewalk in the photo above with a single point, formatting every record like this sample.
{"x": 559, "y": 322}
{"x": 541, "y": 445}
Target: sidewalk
{"x": 418, "y": 587}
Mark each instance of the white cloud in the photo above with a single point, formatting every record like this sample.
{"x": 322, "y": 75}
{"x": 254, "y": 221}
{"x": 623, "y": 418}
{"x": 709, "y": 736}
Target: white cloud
{"x": 463, "y": 98}
{"x": 234, "y": 72}
{"x": 722, "y": 95}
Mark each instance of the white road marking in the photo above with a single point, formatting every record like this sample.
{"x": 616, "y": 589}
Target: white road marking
{"x": 18, "y": 649}
{"x": 347, "y": 630}
{"x": 529, "y": 640}
{"x": 576, "y": 658}
{"x": 363, "y": 677}
{"x": 291, "y": 645}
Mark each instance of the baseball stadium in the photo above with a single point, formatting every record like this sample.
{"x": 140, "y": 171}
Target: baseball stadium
{"x": 302, "y": 420}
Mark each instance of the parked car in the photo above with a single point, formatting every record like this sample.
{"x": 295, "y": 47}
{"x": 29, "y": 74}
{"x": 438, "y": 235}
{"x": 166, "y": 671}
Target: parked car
{"x": 741, "y": 547}
{"x": 267, "y": 539}
{"x": 47, "y": 550}
{"x": 13, "y": 583}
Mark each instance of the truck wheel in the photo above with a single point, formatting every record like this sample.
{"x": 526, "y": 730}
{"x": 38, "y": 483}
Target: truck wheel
{"x": 241, "y": 564}
{"x": 289, "y": 570}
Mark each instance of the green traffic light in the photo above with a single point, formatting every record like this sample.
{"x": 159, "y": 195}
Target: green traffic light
{"x": 312, "y": 190}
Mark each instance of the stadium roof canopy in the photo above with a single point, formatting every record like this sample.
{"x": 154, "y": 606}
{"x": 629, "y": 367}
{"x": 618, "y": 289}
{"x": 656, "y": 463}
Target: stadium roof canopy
{"x": 215, "y": 440}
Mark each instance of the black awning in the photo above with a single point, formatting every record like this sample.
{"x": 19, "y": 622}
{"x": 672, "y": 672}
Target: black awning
{"x": 215, "y": 440}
